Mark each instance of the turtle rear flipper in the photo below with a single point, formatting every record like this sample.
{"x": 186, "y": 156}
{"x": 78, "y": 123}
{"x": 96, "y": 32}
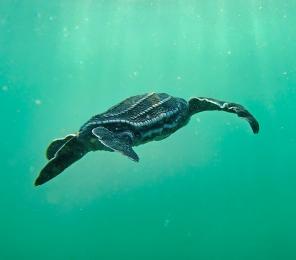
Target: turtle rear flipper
{"x": 69, "y": 153}
{"x": 56, "y": 145}
{"x": 116, "y": 142}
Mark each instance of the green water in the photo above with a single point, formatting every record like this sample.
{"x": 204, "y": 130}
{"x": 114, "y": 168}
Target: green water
{"x": 213, "y": 190}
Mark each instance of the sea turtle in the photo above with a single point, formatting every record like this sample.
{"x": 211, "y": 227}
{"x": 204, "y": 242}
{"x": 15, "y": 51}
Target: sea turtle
{"x": 134, "y": 121}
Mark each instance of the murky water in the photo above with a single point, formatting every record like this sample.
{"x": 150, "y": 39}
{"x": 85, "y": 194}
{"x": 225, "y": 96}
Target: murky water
{"x": 213, "y": 190}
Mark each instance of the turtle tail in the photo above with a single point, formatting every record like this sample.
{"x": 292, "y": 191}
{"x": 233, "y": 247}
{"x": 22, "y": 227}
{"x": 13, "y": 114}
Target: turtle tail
{"x": 69, "y": 153}
{"x": 200, "y": 104}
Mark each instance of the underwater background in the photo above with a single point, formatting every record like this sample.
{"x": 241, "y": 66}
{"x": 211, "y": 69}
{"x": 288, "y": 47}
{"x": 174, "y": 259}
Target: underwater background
{"x": 213, "y": 190}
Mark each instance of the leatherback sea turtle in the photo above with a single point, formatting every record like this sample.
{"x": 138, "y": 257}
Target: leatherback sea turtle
{"x": 134, "y": 121}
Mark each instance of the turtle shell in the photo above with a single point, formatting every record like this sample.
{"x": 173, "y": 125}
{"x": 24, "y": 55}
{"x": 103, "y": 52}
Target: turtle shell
{"x": 141, "y": 111}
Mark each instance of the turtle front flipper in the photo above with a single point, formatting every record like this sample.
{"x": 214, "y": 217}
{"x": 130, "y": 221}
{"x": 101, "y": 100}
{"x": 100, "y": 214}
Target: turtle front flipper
{"x": 117, "y": 142}
{"x": 56, "y": 145}
{"x": 69, "y": 153}
{"x": 200, "y": 104}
